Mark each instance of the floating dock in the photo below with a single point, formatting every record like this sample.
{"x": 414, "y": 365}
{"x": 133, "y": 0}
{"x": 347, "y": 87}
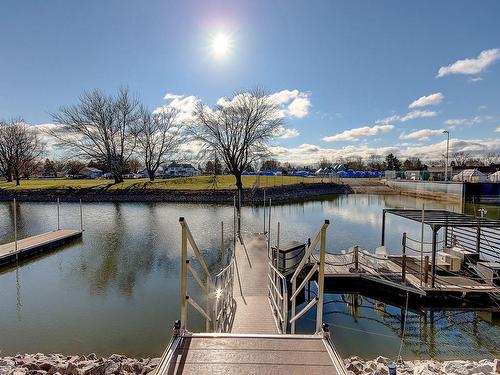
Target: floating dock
{"x": 28, "y": 247}
{"x": 245, "y": 336}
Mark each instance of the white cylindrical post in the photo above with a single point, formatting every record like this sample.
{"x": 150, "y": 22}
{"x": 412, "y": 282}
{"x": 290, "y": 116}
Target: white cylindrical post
{"x": 81, "y": 216}
{"x": 15, "y": 225}
{"x": 222, "y": 237}
{"x": 269, "y": 228}
{"x": 58, "y": 215}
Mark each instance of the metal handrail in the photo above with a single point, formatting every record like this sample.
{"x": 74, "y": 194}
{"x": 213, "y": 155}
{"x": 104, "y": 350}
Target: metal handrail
{"x": 208, "y": 312}
{"x": 224, "y": 301}
{"x": 321, "y": 239}
{"x": 278, "y": 296}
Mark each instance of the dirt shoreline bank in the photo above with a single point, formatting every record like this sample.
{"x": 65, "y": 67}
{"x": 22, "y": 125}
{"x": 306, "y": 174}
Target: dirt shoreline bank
{"x": 288, "y": 193}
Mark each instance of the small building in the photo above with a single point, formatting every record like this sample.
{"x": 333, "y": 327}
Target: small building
{"x": 90, "y": 172}
{"x": 470, "y": 175}
{"x": 181, "y": 170}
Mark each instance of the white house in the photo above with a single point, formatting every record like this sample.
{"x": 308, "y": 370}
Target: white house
{"x": 90, "y": 172}
{"x": 181, "y": 170}
{"x": 495, "y": 177}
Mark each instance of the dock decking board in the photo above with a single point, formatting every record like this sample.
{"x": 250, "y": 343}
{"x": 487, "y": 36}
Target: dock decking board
{"x": 253, "y": 312}
{"x": 338, "y": 266}
{"x": 252, "y": 355}
{"x": 30, "y": 246}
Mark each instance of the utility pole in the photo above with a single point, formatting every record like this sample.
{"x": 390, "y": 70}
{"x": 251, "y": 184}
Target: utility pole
{"x": 447, "y": 153}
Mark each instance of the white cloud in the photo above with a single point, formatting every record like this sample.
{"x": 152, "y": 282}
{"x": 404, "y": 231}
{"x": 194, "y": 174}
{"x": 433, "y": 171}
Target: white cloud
{"x": 422, "y": 134}
{"x": 409, "y": 116}
{"x": 286, "y": 133}
{"x": 464, "y": 121}
{"x": 309, "y": 153}
{"x": 475, "y": 79}
{"x": 471, "y": 66}
{"x": 423, "y": 101}
{"x": 185, "y": 105}
{"x": 294, "y": 103}
{"x": 356, "y": 133}
{"x": 497, "y": 129}
{"x": 169, "y": 96}
{"x": 417, "y": 114}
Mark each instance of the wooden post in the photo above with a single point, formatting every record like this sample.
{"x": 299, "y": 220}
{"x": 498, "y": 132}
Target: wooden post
{"x": 184, "y": 261}
{"x": 382, "y": 241}
{"x": 356, "y": 258}
{"x": 403, "y": 264}
{"x": 81, "y": 216}
{"x": 15, "y": 225}
{"x": 294, "y": 288}
{"x": 321, "y": 278}
{"x": 58, "y": 215}
{"x": 426, "y": 269}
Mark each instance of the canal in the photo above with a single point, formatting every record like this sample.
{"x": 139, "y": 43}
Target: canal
{"x": 117, "y": 289}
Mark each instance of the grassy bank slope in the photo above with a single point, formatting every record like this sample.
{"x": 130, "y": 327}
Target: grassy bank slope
{"x": 181, "y": 183}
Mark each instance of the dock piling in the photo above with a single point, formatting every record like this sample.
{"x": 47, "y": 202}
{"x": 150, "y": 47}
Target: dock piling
{"x": 58, "y": 214}
{"x": 356, "y": 258}
{"x": 15, "y": 225}
{"x": 81, "y": 216}
{"x": 403, "y": 260}
{"x": 426, "y": 269}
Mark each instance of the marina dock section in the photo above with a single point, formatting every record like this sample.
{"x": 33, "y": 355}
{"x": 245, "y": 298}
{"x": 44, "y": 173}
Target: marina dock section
{"x": 28, "y": 247}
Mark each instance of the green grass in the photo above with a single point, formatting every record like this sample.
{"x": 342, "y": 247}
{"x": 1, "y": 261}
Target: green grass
{"x": 181, "y": 183}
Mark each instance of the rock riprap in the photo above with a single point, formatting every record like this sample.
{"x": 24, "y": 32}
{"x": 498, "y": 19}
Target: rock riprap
{"x": 91, "y": 364}
{"x": 379, "y": 366}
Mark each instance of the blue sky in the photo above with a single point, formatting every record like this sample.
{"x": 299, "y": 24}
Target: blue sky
{"x": 345, "y": 72}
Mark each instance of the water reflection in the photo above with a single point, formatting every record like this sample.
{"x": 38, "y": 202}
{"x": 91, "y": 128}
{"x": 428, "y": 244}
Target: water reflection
{"x": 117, "y": 289}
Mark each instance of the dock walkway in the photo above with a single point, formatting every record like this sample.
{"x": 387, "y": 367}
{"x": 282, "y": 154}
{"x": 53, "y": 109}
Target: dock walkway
{"x": 253, "y": 344}
{"x": 28, "y": 247}
{"x": 253, "y": 311}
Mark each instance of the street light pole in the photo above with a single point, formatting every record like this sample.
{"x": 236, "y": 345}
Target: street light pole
{"x": 447, "y": 152}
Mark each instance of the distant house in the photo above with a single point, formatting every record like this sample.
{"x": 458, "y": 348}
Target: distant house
{"x": 495, "y": 177}
{"x": 90, "y": 172}
{"x": 181, "y": 170}
{"x": 470, "y": 175}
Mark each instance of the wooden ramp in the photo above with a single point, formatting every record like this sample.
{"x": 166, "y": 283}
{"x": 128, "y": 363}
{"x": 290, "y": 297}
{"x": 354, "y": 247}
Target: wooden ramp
{"x": 253, "y": 311}
{"x": 28, "y": 247}
{"x": 251, "y": 354}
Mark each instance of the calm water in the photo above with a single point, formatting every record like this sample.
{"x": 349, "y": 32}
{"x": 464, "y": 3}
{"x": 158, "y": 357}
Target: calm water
{"x": 117, "y": 290}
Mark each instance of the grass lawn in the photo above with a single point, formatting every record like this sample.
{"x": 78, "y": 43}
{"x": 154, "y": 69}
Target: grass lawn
{"x": 180, "y": 183}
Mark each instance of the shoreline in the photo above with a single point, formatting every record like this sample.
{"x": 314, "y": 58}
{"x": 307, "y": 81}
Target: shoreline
{"x": 282, "y": 194}
{"x": 117, "y": 364}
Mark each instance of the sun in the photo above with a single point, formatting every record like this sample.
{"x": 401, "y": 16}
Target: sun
{"x": 221, "y": 45}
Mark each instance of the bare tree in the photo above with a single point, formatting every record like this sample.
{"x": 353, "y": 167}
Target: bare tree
{"x": 20, "y": 147}
{"x": 461, "y": 158}
{"x": 239, "y": 129}
{"x": 158, "y": 138}
{"x": 100, "y": 127}
{"x": 491, "y": 158}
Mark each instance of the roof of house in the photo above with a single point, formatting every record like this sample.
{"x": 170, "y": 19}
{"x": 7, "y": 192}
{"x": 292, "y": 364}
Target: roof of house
{"x": 443, "y": 218}
{"x": 183, "y": 165}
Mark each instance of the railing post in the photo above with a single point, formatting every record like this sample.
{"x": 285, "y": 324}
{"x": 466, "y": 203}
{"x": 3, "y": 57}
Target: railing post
{"x": 294, "y": 288}
{"x": 81, "y": 216}
{"x": 321, "y": 277}
{"x": 356, "y": 258}
{"x": 183, "y": 274}
{"x": 209, "y": 311}
{"x": 403, "y": 264}
{"x": 15, "y": 226}
{"x": 58, "y": 214}
{"x": 426, "y": 269}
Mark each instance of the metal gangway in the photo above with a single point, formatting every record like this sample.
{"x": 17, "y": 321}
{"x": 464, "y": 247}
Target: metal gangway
{"x": 248, "y": 325}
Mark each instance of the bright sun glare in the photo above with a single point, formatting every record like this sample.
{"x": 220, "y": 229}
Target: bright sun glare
{"x": 221, "y": 44}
